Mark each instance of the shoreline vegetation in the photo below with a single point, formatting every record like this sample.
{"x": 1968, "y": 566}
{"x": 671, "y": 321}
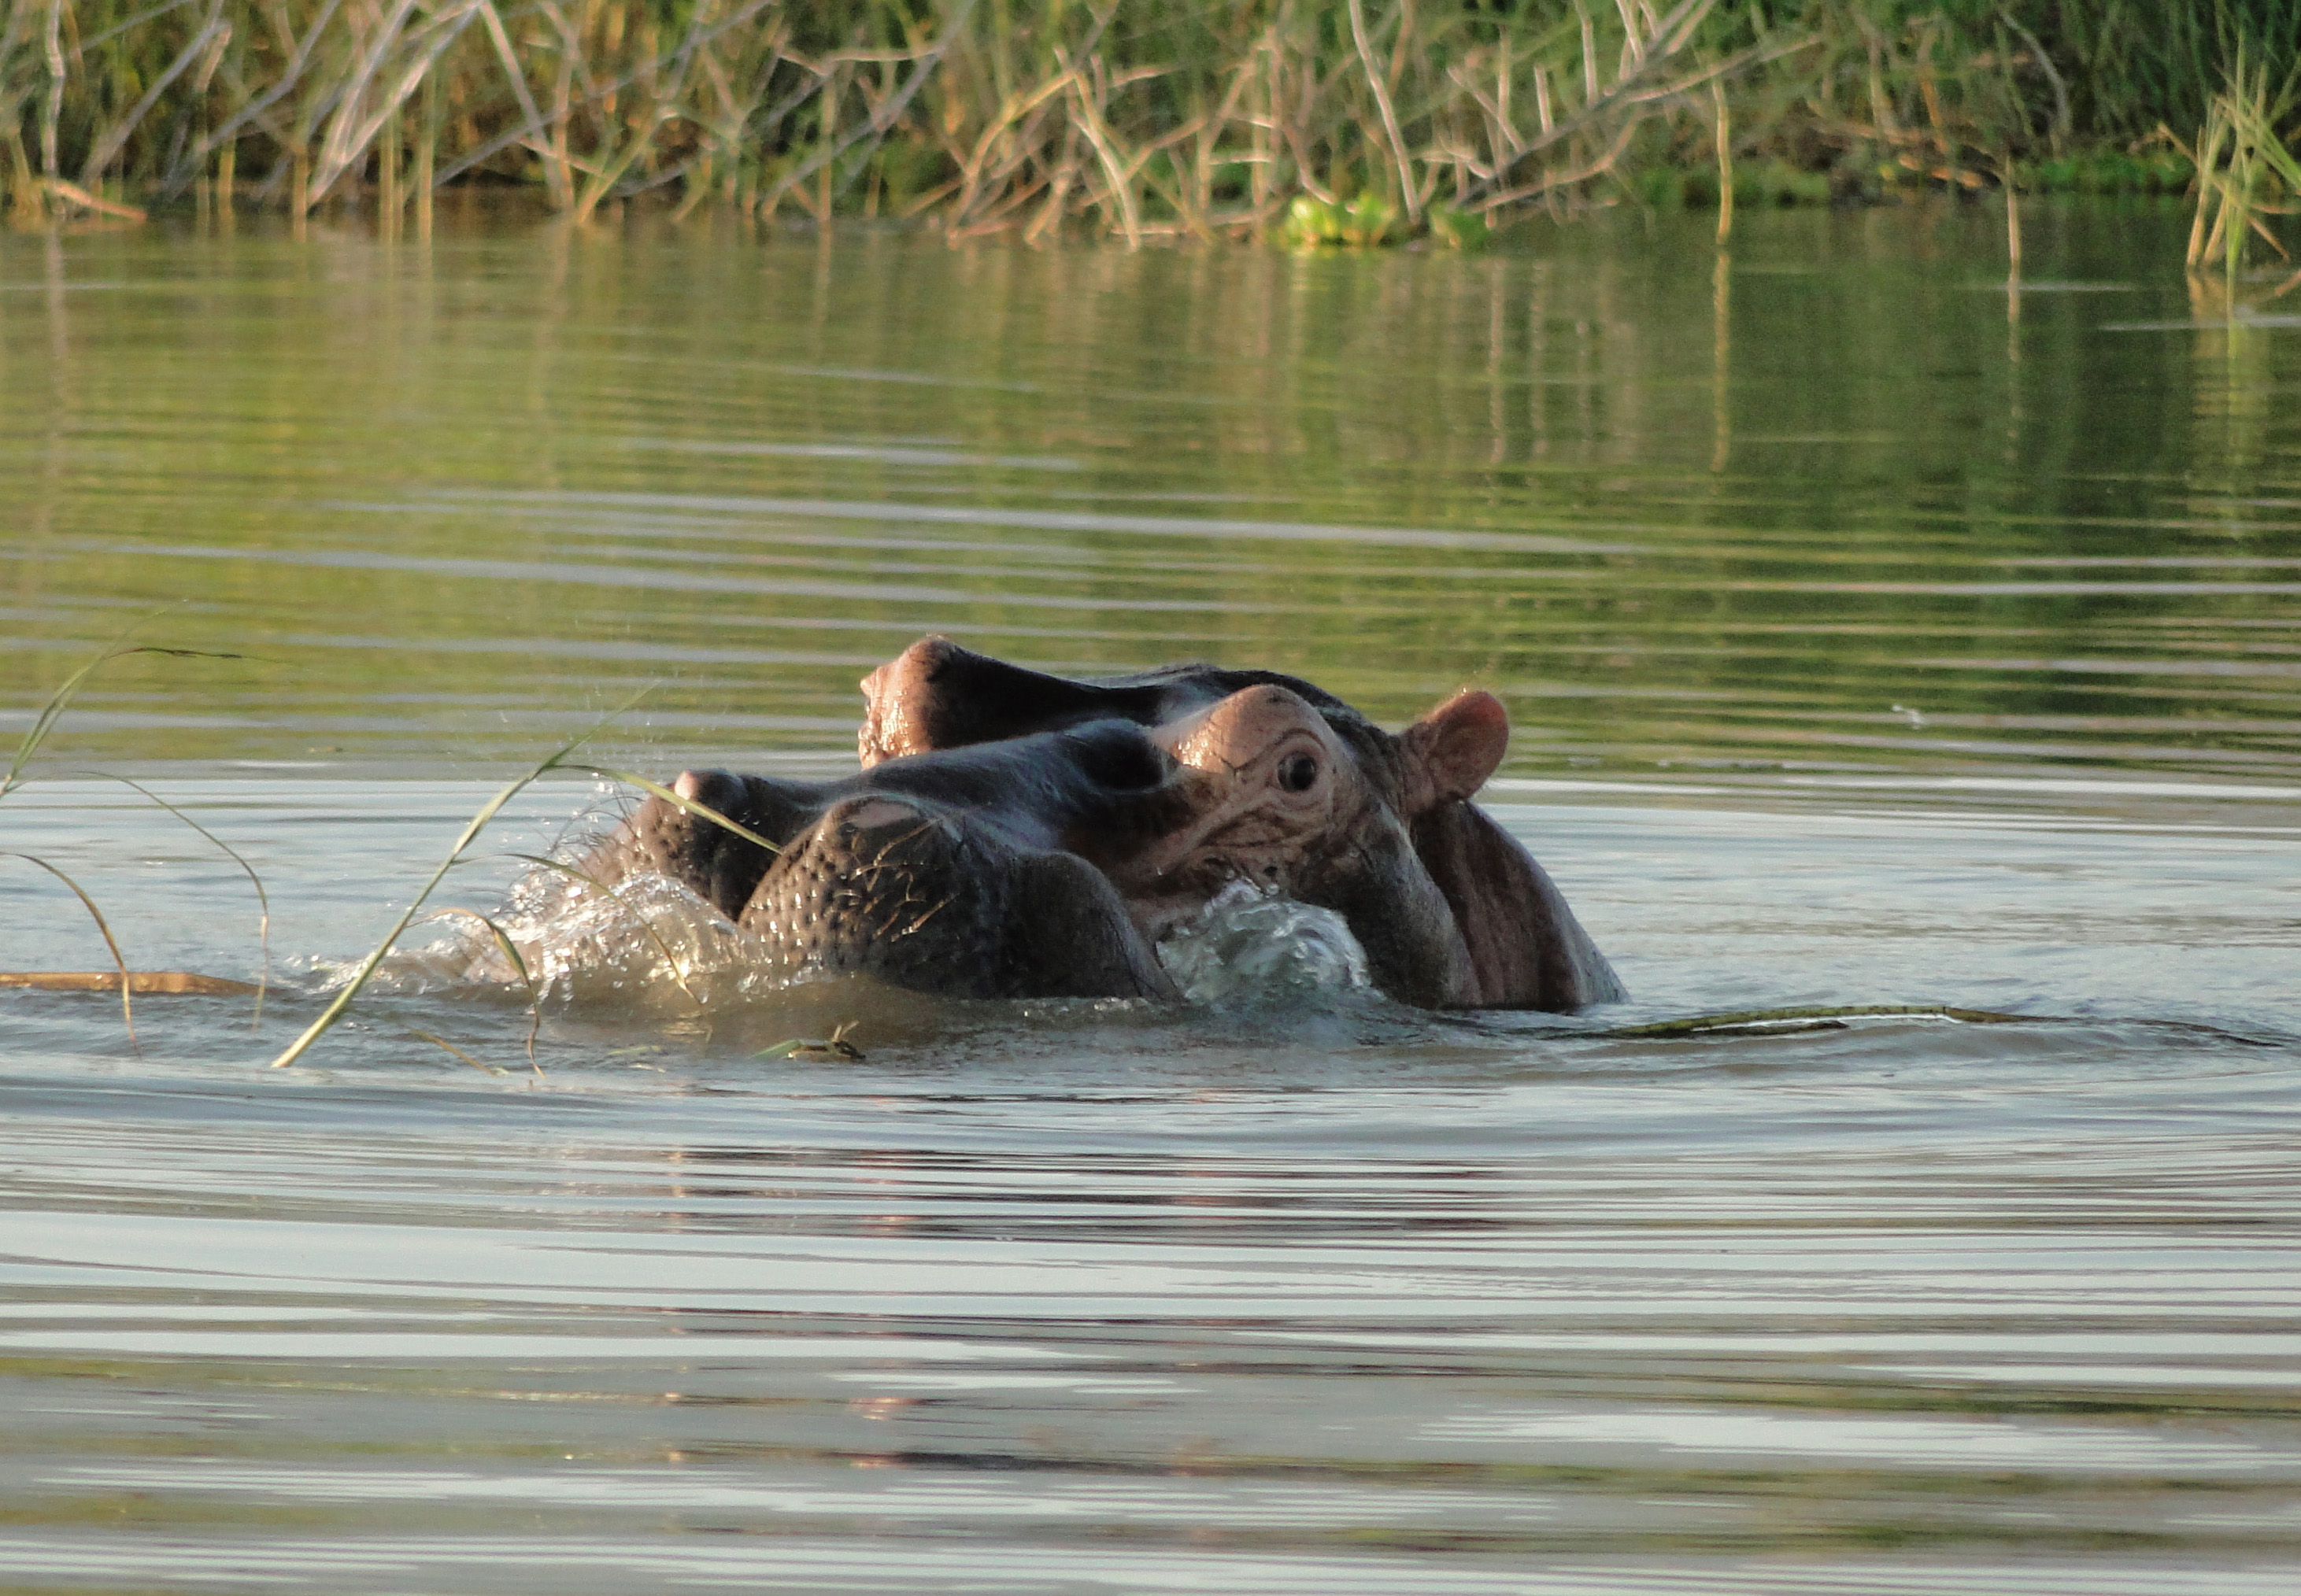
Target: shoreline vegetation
{"x": 1295, "y": 122}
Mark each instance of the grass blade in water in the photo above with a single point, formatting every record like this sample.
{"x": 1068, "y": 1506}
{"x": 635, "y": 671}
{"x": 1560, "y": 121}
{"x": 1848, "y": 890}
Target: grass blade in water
{"x": 263, "y": 899}
{"x": 127, "y": 1006}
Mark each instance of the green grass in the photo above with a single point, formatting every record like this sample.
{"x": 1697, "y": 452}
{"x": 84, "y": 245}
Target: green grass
{"x": 1135, "y": 119}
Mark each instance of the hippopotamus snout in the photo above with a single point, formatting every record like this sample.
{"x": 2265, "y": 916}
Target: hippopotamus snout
{"x": 958, "y": 871}
{"x": 883, "y": 886}
{"x": 922, "y": 896}
{"x": 1459, "y": 915}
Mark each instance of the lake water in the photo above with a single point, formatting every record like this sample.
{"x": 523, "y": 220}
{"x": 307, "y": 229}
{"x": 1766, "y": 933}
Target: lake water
{"x": 1870, "y": 639}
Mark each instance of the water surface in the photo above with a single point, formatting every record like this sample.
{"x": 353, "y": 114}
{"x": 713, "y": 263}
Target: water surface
{"x": 1868, "y": 645}
{"x": 457, "y": 497}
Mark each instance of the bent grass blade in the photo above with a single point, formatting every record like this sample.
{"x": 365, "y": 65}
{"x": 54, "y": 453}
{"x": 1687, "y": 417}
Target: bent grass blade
{"x": 343, "y": 1000}
{"x": 440, "y": 1041}
{"x": 127, "y": 1006}
{"x": 503, "y": 941}
{"x": 335, "y": 1010}
{"x": 43, "y": 724}
{"x": 263, "y": 899}
{"x": 53, "y": 710}
{"x": 505, "y": 946}
{"x": 557, "y": 760}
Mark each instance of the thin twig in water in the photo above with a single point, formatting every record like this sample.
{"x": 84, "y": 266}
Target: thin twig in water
{"x": 1760, "y": 1019}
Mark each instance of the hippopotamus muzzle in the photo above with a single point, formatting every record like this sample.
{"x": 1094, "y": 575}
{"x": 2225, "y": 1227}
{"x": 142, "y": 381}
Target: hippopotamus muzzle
{"x": 1015, "y": 834}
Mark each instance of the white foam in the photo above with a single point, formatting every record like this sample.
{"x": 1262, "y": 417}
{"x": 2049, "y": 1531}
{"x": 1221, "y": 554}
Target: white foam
{"x": 1248, "y": 945}
{"x": 648, "y": 938}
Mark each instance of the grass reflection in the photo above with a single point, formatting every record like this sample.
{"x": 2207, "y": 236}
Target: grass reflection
{"x": 1620, "y": 479}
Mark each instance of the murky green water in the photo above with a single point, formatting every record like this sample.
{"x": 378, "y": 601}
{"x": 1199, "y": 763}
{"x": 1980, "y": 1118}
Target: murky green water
{"x": 458, "y": 496}
{"x": 1868, "y": 644}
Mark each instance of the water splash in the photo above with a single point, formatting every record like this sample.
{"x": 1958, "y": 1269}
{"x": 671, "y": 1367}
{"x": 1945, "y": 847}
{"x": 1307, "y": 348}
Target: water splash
{"x": 647, "y": 941}
{"x": 1248, "y": 946}
{"x": 655, "y": 943}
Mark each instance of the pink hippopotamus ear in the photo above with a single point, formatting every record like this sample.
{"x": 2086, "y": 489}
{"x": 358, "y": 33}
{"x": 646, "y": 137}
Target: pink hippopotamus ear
{"x": 1451, "y": 751}
{"x": 1526, "y": 949}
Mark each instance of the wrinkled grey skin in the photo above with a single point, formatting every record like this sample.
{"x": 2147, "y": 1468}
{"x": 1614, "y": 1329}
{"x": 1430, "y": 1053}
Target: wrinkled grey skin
{"x": 1017, "y": 834}
{"x": 948, "y": 872}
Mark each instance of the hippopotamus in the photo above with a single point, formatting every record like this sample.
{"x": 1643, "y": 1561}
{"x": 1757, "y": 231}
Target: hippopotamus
{"x": 1018, "y": 834}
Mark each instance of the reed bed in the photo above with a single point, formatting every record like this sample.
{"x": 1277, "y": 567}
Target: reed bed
{"x": 1137, "y": 119}
{"x": 2245, "y": 172}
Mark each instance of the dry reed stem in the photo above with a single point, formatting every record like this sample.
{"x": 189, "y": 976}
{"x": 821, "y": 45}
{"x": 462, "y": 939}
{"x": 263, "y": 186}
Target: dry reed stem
{"x": 604, "y": 110}
{"x": 1377, "y": 80}
{"x": 1725, "y": 164}
{"x": 1151, "y": 122}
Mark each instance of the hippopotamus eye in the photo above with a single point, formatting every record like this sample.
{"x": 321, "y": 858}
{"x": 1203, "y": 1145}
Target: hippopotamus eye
{"x": 1297, "y": 773}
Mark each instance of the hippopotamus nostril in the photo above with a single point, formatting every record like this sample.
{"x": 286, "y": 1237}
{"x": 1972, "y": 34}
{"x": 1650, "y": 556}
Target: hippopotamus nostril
{"x": 1299, "y": 774}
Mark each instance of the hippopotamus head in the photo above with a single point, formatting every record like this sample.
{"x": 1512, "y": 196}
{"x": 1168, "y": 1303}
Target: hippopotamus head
{"x": 1282, "y": 784}
{"x": 1014, "y": 833}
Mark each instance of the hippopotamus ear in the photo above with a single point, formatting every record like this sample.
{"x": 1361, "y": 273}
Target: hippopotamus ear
{"x": 1526, "y": 949}
{"x": 1451, "y": 751}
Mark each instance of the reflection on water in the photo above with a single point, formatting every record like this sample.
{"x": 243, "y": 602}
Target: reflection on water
{"x": 1866, "y": 647}
{"x": 456, "y": 498}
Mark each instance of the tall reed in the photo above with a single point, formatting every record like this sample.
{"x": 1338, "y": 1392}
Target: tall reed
{"x": 1141, "y": 119}
{"x": 2242, "y": 169}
